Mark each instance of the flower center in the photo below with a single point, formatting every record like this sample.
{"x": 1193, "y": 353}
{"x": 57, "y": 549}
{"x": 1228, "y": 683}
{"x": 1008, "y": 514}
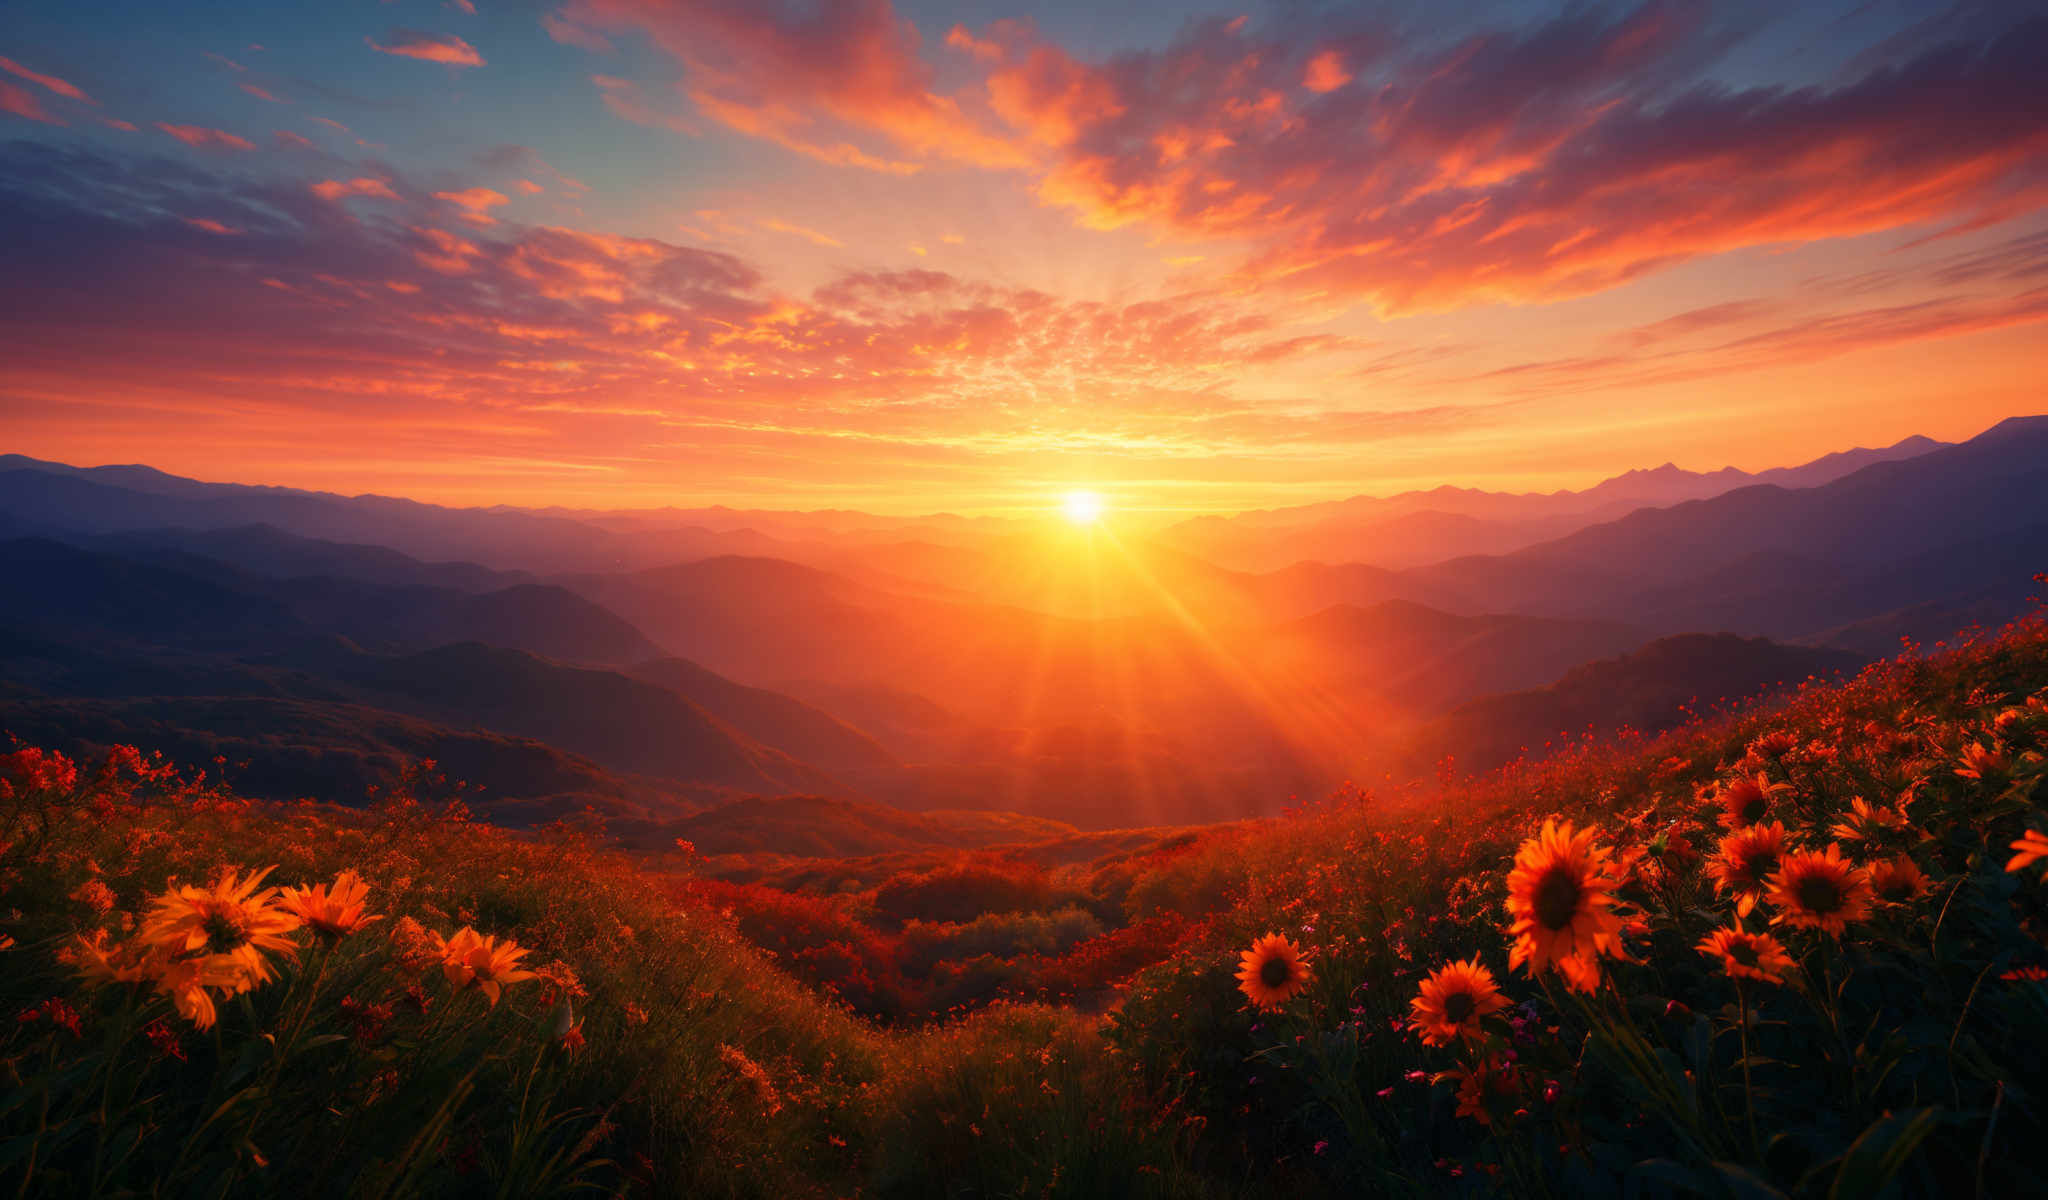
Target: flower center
{"x": 1557, "y": 898}
{"x": 1458, "y": 1007}
{"x": 1897, "y": 887}
{"x": 1760, "y": 863}
{"x": 225, "y": 930}
{"x": 1752, "y": 810}
{"x": 1743, "y": 953}
{"x": 1819, "y": 895}
{"x": 1275, "y": 972}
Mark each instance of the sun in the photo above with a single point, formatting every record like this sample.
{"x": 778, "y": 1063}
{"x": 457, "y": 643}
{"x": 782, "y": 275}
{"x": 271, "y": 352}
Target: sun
{"x": 1082, "y": 508}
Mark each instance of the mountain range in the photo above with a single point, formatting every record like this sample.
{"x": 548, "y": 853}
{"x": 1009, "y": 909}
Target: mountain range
{"x": 658, "y": 664}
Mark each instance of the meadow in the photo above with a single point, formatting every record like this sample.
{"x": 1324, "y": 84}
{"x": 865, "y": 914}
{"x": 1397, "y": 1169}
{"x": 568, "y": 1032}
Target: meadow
{"x": 1797, "y": 950}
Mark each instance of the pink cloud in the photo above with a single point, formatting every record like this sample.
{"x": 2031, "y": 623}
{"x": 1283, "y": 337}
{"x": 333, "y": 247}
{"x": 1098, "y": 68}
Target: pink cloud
{"x": 1519, "y": 167}
{"x": 202, "y": 138}
{"x": 810, "y": 235}
{"x": 335, "y": 189}
{"x": 569, "y": 33}
{"x": 260, "y": 93}
{"x": 288, "y": 140}
{"x": 443, "y": 48}
{"x": 50, "y": 82}
{"x": 20, "y": 102}
{"x": 841, "y": 83}
{"x": 211, "y": 226}
{"x": 475, "y": 203}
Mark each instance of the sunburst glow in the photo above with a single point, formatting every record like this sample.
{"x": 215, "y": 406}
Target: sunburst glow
{"x": 1082, "y": 508}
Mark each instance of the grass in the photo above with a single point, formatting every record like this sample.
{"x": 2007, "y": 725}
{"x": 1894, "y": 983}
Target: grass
{"x": 658, "y": 1051}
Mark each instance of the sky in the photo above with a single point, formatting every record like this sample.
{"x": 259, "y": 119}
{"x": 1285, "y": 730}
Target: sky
{"x": 913, "y": 257}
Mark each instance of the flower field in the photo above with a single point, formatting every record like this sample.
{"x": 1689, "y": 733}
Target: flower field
{"x": 1798, "y": 951}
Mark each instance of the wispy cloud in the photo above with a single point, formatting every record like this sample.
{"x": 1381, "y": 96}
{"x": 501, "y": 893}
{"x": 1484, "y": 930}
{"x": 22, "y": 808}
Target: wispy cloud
{"x": 443, "y": 48}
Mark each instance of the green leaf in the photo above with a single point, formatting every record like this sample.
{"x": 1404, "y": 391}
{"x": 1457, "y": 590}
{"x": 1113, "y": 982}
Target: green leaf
{"x": 1878, "y": 1154}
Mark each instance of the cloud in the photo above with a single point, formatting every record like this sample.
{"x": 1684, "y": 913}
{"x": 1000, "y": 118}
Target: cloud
{"x": 443, "y": 48}
{"x": 20, "y": 102}
{"x": 475, "y": 203}
{"x": 200, "y": 137}
{"x": 51, "y": 82}
{"x": 810, "y": 235}
{"x": 569, "y": 33}
{"x": 287, "y": 140}
{"x": 842, "y": 83}
{"x": 1528, "y": 165}
{"x": 333, "y": 190}
{"x": 260, "y": 93}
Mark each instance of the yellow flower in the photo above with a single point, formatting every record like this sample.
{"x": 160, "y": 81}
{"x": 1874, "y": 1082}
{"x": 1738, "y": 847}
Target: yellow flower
{"x": 1983, "y": 763}
{"x": 1479, "y": 1086}
{"x": 2032, "y": 847}
{"x": 331, "y": 912}
{"x": 1866, "y": 820}
{"x": 1743, "y": 863}
{"x": 1746, "y": 955}
{"x": 1897, "y": 880}
{"x": 1560, "y": 894}
{"x": 1451, "y": 1002}
{"x": 228, "y": 925}
{"x": 1819, "y": 889}
{"x": 470, "y": 959}
{"x": 1271, "y": 972}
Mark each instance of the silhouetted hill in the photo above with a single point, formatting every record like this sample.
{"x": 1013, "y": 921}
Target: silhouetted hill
{"x": 1649, "y": 690}
{"x": 539, "y": 618}
{"x": 773, "y": 719}
{"x": 288, "y": 749}
{"x": 270, "y": 551}
{"x": 49, "y": 587}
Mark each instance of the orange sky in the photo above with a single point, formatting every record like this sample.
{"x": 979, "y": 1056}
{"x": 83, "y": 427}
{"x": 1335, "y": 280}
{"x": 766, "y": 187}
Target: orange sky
{"x": 631, "y": 254}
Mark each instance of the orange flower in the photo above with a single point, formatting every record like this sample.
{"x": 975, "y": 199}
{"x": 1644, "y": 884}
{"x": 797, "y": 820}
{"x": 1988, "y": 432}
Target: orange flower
{"x": 1452, "y": 1000}
{"x": 1776, "y": 744}
{"x": 1819, "y": 889}
{"x": 2032, "y": 846}
{"x": 470, "y": 959}
{"x": 1746, "y": 955}
{"x": 1743, "y": 863}
{"x": 100, "y": 963}
{"x": 1983, "y": 763}
{"x": 1271, "y": 972}
{"x": 332, "y": 913}
{"x": 228, "y": 925}
{"x": 1478, "y": 1086}
{"x": 1866, "y": 820}
{"x": 1745, "y": 801}
{"x": 1897, "y": 880}
{"x": 1560, "y": 894}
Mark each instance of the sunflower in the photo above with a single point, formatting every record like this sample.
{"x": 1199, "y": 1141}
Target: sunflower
{"x": 1748, "y": 955}
{"x": 1897, "y": 880}
{"x": 191, "y": 982}
{"x": 335, "y": 912}
{"x": 228, "y": 925}
{"x": 470, "y": 959}
{"x": 1867, "y": 820}
{"x": 1271, "y": 972}
{"x": 1819, "y": 889}
{"x": 1743, "y": 863}
{"x": 1479, "y": 1086}
{"x": 1452, "y": 1000}
{"x": 1981, "y": 762}
{"x": 2032, "y": 847}
{"x": 1745, "y": 801}
{"x": 1560, "y": 894}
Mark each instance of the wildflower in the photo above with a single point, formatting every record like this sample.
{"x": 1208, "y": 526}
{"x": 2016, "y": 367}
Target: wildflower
{"x": 755, "y": 1077}
{"x": 1452, "y": 1000}
{"x": 1776, "y": 744}
{"x": 415, "y": 946}
{"x": 568, "y": 1027}
{"x": 229, "y": 925}
{"x": 96, "y": 895}
{"x": 635, "y": 1015}
{"x": 1271, "y": 972}
{"x": 165, "y": 1039}
{"x": 470, "y": 959}
{"x": 1747, "y": 955}
{"x": 1897, "y": 880}
{"x": 1743, "y": 863}
{"x": 334, "y": 912}
{"x": 1745, "y": 801}
{"x": 1478, "y": 1086}
{"x": 57, "y": 1012}
{"x": 1560, "y": 895}
{"x": 2026, "y": 974}
{"x": 366, "y": 1021}
{"x": 1819, "y": 889}
{"x": 99, "y": 963}
{"x": 2032, "y": 846}
{"x": 1866, "y": 820}
{"x": 1980, "y": 762}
